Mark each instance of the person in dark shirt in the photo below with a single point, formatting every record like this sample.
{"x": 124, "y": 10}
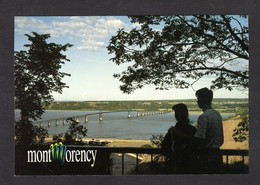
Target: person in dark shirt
{"x": 181, "y": 158}
{"x": 209, "y": 135}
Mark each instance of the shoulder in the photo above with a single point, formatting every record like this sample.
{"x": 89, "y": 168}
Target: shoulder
{"x": 192, "y": 129}
{"x": 171, "y": 129}
{"x": 203, "y": 118}
{"x": 211, "y": 112}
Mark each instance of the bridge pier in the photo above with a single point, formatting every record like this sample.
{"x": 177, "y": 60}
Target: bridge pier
{"x": 67, "y": 119}
{"x": 100, "y": 117}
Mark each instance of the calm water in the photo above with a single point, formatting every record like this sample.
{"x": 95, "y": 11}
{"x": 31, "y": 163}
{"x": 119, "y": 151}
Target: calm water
{"x": 115, "y": 125}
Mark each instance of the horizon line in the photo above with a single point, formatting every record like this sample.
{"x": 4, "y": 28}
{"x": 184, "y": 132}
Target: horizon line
{"x": 139, "y": 100}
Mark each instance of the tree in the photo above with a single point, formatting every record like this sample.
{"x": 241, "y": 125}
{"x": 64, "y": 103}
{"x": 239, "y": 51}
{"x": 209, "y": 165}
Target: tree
{"x": 36, "y": 75}
{"x": 74, "y": 134}
{"x": 240, "y": 133}
{"x": 177, "y": 51}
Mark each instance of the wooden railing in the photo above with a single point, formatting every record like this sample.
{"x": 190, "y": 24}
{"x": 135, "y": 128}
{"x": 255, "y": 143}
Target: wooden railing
{"x": 151, "y": 151}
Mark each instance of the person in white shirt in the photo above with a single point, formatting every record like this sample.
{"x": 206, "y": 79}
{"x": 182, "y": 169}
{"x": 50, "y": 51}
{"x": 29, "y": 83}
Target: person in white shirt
{"x": 209, "y": 133}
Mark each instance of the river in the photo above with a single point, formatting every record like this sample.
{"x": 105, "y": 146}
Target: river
{"x": 116, "y": 124}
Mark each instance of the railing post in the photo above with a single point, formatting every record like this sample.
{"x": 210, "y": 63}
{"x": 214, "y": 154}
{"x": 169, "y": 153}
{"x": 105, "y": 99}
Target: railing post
{"x": 227, "y": 160}
{"x": 151, "y": 157}
{"x": 122, "y": 163}
{"x": 136, "y": 163}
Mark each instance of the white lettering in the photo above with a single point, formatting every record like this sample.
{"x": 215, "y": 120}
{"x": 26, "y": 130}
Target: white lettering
{"x": 39, "y": 159}
{"x": 66, "y": 156}
{"x": 49, "y": 155}
{"x": 70, "y": 156}
{"x": 94, "y": 157}
{"x": 77, "y": 154}
{"x": 83, "y": 156}
{"x": 45, "y": 156}
{"x": 31, "y": 157}
{"x": 88, "y": 159}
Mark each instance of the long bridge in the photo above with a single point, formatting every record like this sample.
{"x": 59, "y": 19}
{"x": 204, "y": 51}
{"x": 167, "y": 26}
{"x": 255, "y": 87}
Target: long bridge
{"x": 100, "y": 118}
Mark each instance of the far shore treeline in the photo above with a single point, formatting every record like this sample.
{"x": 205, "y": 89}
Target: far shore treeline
{"x": 222, "y": 105}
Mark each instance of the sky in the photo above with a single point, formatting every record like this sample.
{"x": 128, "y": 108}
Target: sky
{"x": 90, "y": 68}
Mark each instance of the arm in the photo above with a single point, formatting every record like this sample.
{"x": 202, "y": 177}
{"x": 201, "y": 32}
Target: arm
{"x": 178, "y": 135}
{"x": 197, "y": 139}
{"x": 166, "y": 143}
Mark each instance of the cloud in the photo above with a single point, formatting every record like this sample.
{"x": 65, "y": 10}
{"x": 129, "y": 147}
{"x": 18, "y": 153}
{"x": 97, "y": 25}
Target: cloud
{"x": 93, "y": 43}
{"x": 111, "y": 24}
{"x": 28, "y": 24}
{"x": 91, "y": 31}
{"x": 136, "y": 25}
{"x": 89, "y": 48}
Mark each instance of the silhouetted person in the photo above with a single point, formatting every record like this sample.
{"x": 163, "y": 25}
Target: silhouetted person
{"x": 181, "y": 158}
{"x": 209, "y": 134}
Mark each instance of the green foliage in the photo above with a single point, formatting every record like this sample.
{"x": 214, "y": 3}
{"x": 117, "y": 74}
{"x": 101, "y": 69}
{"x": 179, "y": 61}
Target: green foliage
{"x": 157, "y": 140}
{"x": 187, "y": 47}
{"x": 73, "y": 136}
{"x": 222, "y": 105}
{"x": 28, "y": 134}
{"x": 240, "y": 133}
{"x": 162, "y": 163}
{"x": 36, "y": 76}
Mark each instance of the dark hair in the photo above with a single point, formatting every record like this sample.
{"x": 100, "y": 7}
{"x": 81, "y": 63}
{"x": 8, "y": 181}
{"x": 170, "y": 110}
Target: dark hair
{"x": 181, "y": 112}
{"x": 205, "y": 96}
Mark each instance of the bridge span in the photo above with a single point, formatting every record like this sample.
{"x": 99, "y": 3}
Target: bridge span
{"x": 75, "y": 118}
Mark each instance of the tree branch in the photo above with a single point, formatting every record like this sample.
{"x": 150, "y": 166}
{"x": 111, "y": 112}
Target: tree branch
{"x": 244, "y": 46}
{"x": 225, "y": 48}
{"x": 214, "y": 69}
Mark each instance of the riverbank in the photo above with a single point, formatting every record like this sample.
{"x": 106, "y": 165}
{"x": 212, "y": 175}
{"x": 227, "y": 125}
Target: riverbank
{"x": 229, "y": 143}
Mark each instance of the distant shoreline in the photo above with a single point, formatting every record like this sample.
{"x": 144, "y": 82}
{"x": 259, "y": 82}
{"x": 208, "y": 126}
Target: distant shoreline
{"x": 190, "y": 112}
{"x": 224, "y": 106}
{"x": 187, "y": 99}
